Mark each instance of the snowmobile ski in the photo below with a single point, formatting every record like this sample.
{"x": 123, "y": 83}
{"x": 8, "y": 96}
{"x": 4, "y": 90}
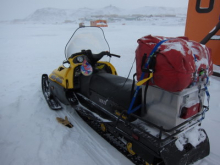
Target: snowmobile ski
{"x": 51, "y": 100}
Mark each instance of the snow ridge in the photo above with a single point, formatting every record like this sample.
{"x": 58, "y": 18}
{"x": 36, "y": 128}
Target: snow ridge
{"x": 54, "y": 15}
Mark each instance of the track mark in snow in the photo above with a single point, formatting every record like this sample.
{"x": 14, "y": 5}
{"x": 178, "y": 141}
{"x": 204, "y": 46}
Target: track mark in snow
{"x": 98, "y": 149}
{"x": 212, "y": 159}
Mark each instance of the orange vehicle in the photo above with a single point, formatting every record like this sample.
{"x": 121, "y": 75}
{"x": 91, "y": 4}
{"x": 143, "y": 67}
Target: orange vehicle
{"x": 203, "y": 25}
{"x": 99, "y": 23}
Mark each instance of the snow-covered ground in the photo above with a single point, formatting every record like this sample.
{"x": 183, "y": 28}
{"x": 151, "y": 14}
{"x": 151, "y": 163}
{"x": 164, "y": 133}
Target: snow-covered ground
{"x": 29, "y": 132}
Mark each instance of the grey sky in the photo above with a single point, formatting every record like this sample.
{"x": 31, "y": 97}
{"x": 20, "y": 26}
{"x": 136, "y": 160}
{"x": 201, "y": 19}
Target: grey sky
{"x": 18, "y": 9}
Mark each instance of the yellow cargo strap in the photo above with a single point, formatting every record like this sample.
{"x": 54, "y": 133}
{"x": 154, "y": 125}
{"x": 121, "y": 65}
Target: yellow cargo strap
{"x": 144, "y": 80}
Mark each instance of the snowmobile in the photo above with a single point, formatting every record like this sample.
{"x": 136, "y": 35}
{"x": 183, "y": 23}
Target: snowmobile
{"x": 153, "y": 127}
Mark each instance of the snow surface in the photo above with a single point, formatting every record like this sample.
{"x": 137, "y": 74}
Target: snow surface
{"x": 29, "y": 132}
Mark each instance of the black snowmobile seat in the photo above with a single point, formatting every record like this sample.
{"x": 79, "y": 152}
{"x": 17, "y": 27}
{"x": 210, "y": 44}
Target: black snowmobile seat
{"x": 114, "y": 88}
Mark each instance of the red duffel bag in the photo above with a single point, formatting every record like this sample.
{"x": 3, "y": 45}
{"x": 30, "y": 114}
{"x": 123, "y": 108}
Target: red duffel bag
{"x": 175, "y": 66}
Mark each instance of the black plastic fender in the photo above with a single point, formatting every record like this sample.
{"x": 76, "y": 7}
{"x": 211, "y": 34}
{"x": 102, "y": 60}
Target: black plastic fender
{"x": 190, "y": 154}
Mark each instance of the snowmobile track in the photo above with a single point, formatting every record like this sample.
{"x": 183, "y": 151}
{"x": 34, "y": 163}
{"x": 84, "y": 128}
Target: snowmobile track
{"x": 114, "y": 141}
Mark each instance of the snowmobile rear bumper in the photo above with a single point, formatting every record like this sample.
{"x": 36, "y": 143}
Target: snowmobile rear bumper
{"x": 189, "y": 155}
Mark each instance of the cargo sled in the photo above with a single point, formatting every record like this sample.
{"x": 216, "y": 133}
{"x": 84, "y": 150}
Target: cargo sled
{"x": 148, "y": 123}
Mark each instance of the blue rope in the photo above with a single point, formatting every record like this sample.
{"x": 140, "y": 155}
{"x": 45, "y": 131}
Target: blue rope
{"x": 130, "y": 110}
{"x": 208, "y": 98}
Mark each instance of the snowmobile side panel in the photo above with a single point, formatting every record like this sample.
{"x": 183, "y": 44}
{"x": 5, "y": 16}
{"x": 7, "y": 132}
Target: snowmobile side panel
{"x": 106, "y": 103}
{"x": 95, "y": 108}
{"x": 65, "y": 76}
{"x": 68, "y": 77}
{"x": 59, "y": 76}
{"x": 58, "y": 91}
{"x": 84, "y": 83}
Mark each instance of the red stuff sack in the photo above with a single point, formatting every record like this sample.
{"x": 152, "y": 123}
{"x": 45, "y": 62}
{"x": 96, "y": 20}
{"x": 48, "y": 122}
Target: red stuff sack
{"x": 175, "y": 65}
{"x": 202, "y": 57}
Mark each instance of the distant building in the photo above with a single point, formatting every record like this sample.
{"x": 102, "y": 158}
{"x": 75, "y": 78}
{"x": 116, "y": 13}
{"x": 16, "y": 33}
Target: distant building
{"x": 99, "y": 23}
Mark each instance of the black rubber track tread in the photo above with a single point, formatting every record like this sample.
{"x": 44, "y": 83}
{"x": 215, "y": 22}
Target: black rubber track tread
{"x": 114, "y": 141}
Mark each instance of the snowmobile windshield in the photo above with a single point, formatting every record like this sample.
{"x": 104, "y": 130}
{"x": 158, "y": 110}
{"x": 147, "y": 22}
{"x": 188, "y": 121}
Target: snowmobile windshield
{"x": 85, "y": 38}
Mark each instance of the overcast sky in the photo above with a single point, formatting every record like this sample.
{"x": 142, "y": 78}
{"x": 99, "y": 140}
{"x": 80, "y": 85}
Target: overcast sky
{"x": 18, "y": 9}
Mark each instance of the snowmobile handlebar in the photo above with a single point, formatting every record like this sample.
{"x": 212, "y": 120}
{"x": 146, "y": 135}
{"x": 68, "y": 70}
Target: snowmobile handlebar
{"x": 93, "y": 58}
{"x": 115, "y": 55}
{"x": 97, "y": 57}
{"x": 106, "y": 53}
